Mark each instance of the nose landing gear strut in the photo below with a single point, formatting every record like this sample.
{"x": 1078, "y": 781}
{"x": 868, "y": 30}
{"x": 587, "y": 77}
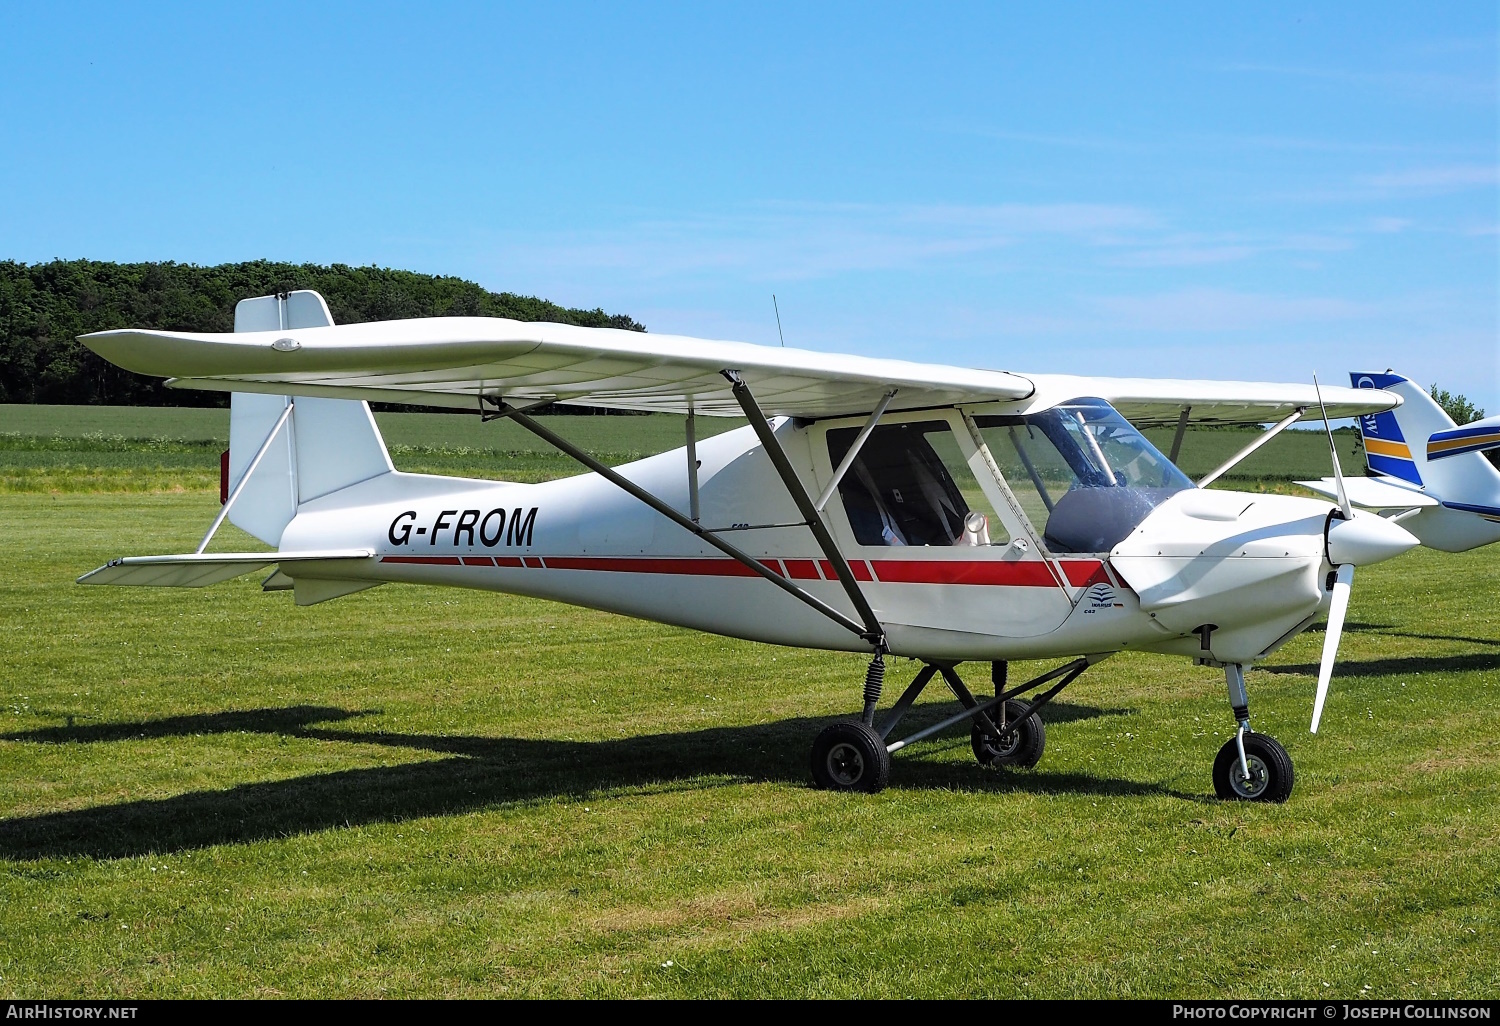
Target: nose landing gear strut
{"x": 1250, "y": 767}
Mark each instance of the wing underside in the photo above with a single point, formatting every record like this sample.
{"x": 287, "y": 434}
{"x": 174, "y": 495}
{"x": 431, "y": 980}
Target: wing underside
{"x": 454, "y": 361}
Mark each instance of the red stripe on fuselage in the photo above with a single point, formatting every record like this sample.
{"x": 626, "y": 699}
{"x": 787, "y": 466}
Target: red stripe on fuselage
{"x": 634, "y": 565}
{"x": 993, "y": 573}
{"x": 802, "y": 569}
{"x": 1084, "y": 572}
{"x": 858, "y": 567}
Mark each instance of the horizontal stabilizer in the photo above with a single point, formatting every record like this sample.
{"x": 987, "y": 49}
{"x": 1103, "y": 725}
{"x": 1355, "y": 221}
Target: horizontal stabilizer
{"x": 200, "y": 569}
{"x": 1475, "y": 437}
{"x": 1372, "y": 493}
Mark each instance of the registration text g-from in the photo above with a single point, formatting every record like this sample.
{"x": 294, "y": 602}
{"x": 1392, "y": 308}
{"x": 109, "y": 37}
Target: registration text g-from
{"x": 466, "y": 527}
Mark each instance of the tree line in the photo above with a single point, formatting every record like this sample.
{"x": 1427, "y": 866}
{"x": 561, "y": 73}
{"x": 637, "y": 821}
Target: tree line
{"x": 44, "y": 307}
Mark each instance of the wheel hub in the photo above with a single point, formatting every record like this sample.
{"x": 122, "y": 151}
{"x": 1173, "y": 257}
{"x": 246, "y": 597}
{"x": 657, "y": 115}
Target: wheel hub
{"x": 1259, "y": 780}
{"x": 845, "y": 764}
{"x": 1005, "y": 743}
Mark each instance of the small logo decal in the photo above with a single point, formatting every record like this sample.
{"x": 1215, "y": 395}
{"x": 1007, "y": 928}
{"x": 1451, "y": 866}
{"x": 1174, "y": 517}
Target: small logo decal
{"x": 1102, "y": 596}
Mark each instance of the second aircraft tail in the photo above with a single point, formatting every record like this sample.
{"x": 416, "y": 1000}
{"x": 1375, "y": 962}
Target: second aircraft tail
{"x": 1418, "y": 443}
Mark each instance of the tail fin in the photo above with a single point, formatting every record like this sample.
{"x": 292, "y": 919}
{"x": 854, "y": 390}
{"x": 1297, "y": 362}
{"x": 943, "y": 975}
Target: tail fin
{"x": 323, "y": 446}
{"x": 1397, "y": 444}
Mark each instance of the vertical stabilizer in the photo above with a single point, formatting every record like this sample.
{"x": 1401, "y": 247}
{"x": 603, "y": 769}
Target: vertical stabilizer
{"x": 325, "y": 445}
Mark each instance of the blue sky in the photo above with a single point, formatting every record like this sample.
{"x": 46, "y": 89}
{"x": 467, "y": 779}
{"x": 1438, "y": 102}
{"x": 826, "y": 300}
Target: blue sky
{"x": 1167, "y": 190}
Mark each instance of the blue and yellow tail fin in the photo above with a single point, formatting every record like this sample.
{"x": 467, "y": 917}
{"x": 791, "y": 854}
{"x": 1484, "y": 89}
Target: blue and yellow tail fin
{"x": 1418, "y": 442}
{"x": 1387, "y": 449}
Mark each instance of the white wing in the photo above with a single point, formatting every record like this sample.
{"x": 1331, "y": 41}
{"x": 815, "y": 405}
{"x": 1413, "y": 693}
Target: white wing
{"x": 451, "y": 361}
{"x": 1153, "y": 402}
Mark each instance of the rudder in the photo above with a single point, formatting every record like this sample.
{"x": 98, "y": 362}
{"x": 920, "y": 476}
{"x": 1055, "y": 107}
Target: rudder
{"x": 324, "y": 445}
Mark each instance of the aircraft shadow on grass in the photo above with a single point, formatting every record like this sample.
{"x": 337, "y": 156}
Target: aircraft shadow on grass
{"x": 481, "y": 772}
{"x": 1398, "y": 666}
{"x": 1390, "y": 630}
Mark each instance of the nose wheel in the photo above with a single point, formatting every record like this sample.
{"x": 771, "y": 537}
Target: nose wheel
{"x": 1270, "y": 778}
{"x": 1250, "y": 767}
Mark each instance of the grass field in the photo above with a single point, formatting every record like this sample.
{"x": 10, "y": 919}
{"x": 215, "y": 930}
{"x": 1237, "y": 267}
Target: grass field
{"x": 122, "y": 449}
{"x": 416, "y": 792}
{"x": 61, "y": 449}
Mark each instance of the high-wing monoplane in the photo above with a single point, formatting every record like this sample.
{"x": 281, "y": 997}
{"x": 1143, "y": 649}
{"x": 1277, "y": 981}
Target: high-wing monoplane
{"x": 879, "y": 506}
{"x": 1427, "y": 473}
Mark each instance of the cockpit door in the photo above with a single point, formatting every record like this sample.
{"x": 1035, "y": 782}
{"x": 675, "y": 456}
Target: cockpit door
{"x": 906, "y": 510}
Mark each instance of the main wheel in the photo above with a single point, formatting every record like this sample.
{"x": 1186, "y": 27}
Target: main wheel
{"x": 1270, "y": 771}
{"x": 850, "y": 756}
{"x": 1022, "y": 743}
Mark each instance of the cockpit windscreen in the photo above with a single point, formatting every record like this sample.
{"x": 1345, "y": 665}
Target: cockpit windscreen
{"x": 1083, "y": 471}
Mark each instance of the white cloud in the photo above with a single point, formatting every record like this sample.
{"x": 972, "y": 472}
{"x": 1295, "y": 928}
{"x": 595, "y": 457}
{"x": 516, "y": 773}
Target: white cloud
{"x": 1184, "y": 256}
{"x": 1476, "y": 87}
{"x": 1206, "y": 310}
{"x": 776, "y": 242}
{"x": 1435, "y": 179}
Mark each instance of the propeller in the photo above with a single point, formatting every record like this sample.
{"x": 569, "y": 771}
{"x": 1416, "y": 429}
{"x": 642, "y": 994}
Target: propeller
{"x": 1333, "y": 450}
{"x": 1343, "y": 578}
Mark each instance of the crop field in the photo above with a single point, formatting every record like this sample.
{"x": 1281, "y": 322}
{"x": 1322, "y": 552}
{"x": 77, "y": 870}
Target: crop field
{"x": 419, "y": 792}
{"x": 52, "y": 449}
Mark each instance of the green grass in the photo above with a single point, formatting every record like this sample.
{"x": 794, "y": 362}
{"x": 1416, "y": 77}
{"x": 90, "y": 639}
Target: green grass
{"x": 87, "y": 449}
{"x": 90, "y": 449}
{"x": 415, "y": 792}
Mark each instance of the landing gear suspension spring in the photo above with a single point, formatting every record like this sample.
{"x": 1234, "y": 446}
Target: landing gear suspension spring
{"x": 874, "y": 681}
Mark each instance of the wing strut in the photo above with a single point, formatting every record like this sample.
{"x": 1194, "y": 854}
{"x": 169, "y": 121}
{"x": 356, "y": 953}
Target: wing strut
{"x": 873, "y": 632}
{"x": 1182, "y": 422}
{"x": 265, "y": 447}
{"x": 692, "y": 461}
{"x": 1260, "y": 440}
{"x": 504, "y": 409}
{"x": 853, "y": 453}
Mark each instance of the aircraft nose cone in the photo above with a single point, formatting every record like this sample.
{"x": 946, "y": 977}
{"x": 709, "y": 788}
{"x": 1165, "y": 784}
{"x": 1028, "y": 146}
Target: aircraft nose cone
{"x": 1366, "y": 539}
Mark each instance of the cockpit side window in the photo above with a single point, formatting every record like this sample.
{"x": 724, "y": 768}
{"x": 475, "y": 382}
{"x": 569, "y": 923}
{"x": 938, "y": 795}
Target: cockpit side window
{"x": 900, "y": 491}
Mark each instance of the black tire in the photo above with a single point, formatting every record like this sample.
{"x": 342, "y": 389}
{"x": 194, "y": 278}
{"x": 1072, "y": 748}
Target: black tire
{"x": 1023, "y": 741}
{"x": 850, "y": 756}
{"x": 1270, "y": 771}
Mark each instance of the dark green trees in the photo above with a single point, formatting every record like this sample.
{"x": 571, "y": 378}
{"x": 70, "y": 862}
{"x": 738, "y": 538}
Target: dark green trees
{"x": 44, "y": 307}
{"x": 1456, "y": 406}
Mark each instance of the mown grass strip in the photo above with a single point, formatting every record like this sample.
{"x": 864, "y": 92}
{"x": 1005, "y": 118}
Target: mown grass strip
{"x": 423, "y": 792}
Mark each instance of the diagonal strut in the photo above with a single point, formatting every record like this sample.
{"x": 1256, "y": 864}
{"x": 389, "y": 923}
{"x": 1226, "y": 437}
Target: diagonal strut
{"x": 503, "y": 409}
{"x": 873, "y": 632}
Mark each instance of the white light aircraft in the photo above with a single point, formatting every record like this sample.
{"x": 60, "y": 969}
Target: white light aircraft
{"x": 870, "y": 505}
{"x": 1428, "y": 474}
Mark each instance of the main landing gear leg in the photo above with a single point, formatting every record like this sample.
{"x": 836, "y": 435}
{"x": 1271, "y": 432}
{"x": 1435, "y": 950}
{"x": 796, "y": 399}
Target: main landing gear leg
{"x": 1250, "y": 767}
{"x": 853, "y": 755}
{"x": 874, "y": 680}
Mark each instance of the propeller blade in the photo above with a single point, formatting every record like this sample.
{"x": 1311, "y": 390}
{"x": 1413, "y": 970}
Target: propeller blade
{"x": 1333, "y": 450}
{"x": 1344, "y": 577}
